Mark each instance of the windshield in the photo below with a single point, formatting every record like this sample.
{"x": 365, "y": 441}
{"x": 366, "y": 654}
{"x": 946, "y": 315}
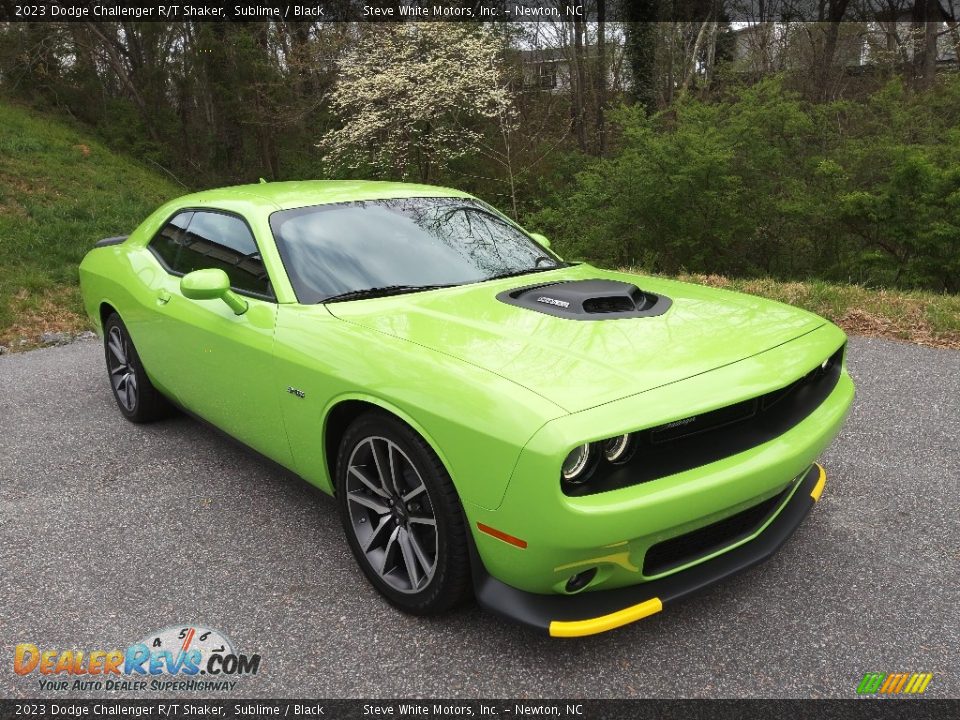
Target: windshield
{"x": 411, "y": 243}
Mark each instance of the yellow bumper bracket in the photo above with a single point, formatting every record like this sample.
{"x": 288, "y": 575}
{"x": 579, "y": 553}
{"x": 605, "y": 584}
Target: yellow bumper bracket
{"x": 821, "y": 481}
{"x": 592, "y": 626}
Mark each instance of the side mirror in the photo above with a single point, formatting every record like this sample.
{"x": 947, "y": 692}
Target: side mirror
{"x": 542, "y": 239}
{"x": 211, "y": 284}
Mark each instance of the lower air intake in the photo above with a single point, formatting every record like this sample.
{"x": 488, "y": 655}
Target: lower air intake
{"x": 695, "y": 545}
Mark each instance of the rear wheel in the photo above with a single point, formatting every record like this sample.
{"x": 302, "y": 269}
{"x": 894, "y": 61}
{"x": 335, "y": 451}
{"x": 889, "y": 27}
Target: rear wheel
{"x": 402, "y": 516}
{"x": 139, "y": 401}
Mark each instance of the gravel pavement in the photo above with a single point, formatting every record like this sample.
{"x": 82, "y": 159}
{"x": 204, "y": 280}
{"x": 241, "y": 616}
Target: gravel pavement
{"x": 110, "y": 530}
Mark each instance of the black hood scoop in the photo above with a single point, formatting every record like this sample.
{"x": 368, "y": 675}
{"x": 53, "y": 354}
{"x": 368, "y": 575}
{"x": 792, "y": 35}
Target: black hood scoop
{"x": 588, "y": 300}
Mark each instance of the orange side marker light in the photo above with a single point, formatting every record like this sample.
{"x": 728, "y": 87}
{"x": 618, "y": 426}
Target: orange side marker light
{"x": 500, "y": 535}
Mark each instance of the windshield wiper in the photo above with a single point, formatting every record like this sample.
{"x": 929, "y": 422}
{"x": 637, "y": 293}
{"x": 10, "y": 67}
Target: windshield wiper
{"x": 381, "y": 292}
{"x": 514, "y": 273}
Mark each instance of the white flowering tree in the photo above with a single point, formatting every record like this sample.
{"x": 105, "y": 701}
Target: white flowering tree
{"x": 412, "y": 96}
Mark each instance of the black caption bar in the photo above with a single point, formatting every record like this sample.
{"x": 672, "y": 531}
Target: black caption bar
{"x": 422, "y": 10}
{"x": 885, "y": 709}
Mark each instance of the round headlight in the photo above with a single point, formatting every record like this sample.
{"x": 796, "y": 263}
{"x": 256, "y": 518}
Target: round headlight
{"x": 577, "y": 464}
{"x": 619, "y": 449}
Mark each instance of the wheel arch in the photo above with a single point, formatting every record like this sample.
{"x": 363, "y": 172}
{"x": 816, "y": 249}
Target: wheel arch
{"x": 105, "y": 310}
{"x": 343, "y": 410}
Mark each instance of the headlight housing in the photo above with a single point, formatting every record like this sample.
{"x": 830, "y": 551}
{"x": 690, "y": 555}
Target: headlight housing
{"x": 584, "y": 461}
{"x": 579, "y": 464}
{"x": 619, "y": 450}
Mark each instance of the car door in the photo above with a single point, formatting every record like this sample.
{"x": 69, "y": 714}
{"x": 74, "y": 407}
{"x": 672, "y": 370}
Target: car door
{"x": 218, "y": 364}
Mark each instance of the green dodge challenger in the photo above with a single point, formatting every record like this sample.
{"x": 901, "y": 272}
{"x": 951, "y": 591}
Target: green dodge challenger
{"x": 574, "y": 446}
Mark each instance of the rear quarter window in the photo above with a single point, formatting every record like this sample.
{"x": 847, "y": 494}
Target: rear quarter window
{"x": 167, "y": 243}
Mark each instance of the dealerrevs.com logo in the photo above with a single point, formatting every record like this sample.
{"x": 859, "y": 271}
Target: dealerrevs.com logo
{"x": 187, "y": 657}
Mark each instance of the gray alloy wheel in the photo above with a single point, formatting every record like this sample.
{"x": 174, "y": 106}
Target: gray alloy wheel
{"x": 123, "y": 377}
{"x": 391, "y": 514}
{"x": 138, "y": 400}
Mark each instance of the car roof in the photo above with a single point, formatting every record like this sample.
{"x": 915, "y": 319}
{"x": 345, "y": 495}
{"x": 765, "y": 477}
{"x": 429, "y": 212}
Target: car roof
{"x": 271, "y": 196}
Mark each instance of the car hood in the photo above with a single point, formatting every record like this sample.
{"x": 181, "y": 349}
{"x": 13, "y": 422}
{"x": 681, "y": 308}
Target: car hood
{"x": 578, "y": 364}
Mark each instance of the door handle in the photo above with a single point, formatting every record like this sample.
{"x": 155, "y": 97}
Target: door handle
{"x": 163, "y": 297}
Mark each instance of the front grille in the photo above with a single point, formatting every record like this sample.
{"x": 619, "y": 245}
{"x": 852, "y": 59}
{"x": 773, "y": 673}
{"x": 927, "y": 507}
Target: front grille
{"x": 702, "y": 423}
{"x": 740, "y": 411}
{"x": 692, "y": 546}
{"x": 701, "y": 439}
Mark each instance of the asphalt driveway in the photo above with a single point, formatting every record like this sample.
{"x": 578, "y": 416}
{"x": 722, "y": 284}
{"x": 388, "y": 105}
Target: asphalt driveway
{"x": 109, "y": 531}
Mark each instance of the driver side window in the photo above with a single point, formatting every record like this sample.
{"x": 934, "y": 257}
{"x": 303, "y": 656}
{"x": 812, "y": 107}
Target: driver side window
{"x": 195, "y": 240}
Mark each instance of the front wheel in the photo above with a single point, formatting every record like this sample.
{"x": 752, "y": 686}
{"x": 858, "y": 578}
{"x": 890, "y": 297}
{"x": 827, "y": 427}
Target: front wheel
{"x": 137, "y": 398}
{"x": 402, "y": 516}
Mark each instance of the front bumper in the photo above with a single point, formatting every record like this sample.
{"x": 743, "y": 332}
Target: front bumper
{"x": 617, "y": 530}
{"x": 590, "y": 613}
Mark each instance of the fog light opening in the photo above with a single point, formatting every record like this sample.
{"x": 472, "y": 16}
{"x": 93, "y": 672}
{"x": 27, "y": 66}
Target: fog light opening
{"x": 581, "y": 580}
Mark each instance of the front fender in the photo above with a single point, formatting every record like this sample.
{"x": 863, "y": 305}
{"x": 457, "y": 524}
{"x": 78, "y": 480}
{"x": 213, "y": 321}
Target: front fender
{"x": 476, "y": 421}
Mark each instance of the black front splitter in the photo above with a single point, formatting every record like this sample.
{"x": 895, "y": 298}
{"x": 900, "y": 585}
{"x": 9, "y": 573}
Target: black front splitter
{"x": 593, "y": 612}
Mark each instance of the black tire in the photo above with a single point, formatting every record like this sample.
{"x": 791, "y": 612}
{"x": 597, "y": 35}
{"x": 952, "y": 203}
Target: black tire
{"x": 138, "y": 400}
{"x": 413, "y": 460}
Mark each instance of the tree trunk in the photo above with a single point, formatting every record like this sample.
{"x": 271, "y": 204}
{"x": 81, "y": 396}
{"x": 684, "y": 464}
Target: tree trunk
{"x": 837, "y": 9}
{"x": 601, "y": 78}
{"x": 640, "y": 51}
{"x": 694, "y": 54}
{"x": 263, "y": 115}
{"x": 671, "y": 74}
{"x": 925, "y": 15}
{"x": 711, "y": 54}
{"x": 225, "y": 103}
{"x": 930, "y": 45}
{"x": 578, "y": 81}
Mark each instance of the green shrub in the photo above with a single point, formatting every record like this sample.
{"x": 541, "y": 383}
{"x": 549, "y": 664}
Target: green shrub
{"x": 762, "y": 183}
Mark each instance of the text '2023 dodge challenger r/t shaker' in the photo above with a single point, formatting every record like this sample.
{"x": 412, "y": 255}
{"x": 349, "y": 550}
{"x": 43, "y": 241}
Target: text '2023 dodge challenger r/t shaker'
{"x": 575, "y": 446}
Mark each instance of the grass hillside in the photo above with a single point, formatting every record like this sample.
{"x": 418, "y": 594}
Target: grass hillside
{"x": 60, "y": 191}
